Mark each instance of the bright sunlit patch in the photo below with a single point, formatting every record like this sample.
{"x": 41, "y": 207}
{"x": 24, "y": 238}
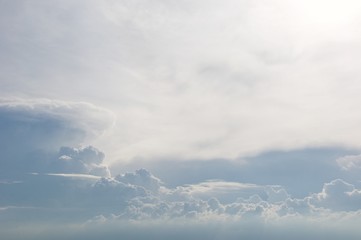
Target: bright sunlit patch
{"x": 323, "y": 20}
{"x": 326, "y": 12}
{"x": 330, "y": 12}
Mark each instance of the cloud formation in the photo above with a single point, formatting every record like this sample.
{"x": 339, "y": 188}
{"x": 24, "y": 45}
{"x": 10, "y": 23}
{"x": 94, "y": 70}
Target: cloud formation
{"x": 200, "y": 67}
{"x": 74, "y": 186}
{"x": 338, "y": 195}
{"x": 261, "y": 99}
{"x": 50, "y": 181}
{"x": 350, "y": 162}
{"x": 105, "y": 204}
{"x": 87, "y": 160}
{"x": 33, "y": 131}
{"x": 299, "y": 171}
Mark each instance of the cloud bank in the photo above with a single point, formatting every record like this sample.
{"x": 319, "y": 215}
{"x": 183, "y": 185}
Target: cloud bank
{"x": 240, "y": 78}
{"x": 134, "y": 203}
{"x": 33, "y": 131}
{"x": 45, "y": 186}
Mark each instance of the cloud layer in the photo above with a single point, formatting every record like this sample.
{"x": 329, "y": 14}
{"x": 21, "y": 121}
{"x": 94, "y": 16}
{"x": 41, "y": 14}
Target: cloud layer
{"x": 90, "y": 206}
{"x": 34, "y": 130}
{"x": 299, "y": 171}
{"x": 239, "y": 78}
{"x": 235, "y": 119}
{"x": 44, "y": 182}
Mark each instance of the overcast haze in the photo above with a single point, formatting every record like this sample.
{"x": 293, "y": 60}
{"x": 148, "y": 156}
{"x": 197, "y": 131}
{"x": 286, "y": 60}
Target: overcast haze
{"x": 236, "y": 114}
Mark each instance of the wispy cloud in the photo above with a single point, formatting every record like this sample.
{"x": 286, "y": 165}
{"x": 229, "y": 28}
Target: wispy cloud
{"x": 193, "y": 80}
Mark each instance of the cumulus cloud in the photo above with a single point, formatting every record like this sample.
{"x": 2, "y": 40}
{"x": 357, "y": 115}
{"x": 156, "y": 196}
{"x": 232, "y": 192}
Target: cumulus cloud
{"x": 299, "y": 171}
{"x": 34, "y": 130}
{"x": 198, "y": 67}
{"x": 338, "y": 195}
{"x": 74, "y": 184}
{"x": 141, "y": 177}
{"x": 141, "y": 196}
{"x": 103, "y": 202}
{"x": 239, "y": 77}
{"x": 109, "y": 208}
{"x": 226, "y": 192}
{"x": 87, "y": 160}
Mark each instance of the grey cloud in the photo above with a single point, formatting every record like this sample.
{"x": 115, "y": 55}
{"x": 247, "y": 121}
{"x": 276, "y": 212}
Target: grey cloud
{"x": 87, "y": 160}
{"x": 77, "y": 178}
{"x": 141, "y": 177}
{"x": 296, "y": 207}
{"x": 32, "y": 131}
{"x": 68, "y": 160}
{"x": 335, "y": 196}
{"x": 299, "y": 171}
{"x": 85, "y": 117}
{"x": 338, "y": 195}
{"x": 64, "y": 184}
{"x": 350, "y": 162}
{"x": 265, "y": 204}
{"x": 132, "y": 201}
{"x": 238, "y": 76}
{"x": 140, "y": 197}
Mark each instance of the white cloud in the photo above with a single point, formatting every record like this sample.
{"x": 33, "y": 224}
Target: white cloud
{"x": 338, "y": 195}
{"x": 72, "y": 175}
{"x": 34, "y": 130}
{"x": 141, "y": 177}
{"x": 87, "y": 160}
{"x": 350, "y": 162}
{"x": 202, "y": 80}
{"x": 224, "y": 191}
{"x": 299, "y": 171}
{"x": 60, "y": 122}
{"x": 239, "y": 77}
{"x": 140, "y": 197}
{"x": 78, "y": 178}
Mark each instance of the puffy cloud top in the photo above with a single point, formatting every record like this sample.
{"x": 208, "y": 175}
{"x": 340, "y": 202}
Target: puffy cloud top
{"x": 338, "y": 195}
{"x": 141, "y": 177}
{"x": 87, "y": 160}
{"x": 32, "y": 131}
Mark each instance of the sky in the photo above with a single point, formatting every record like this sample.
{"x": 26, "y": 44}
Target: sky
{"x": 180, "y": 119}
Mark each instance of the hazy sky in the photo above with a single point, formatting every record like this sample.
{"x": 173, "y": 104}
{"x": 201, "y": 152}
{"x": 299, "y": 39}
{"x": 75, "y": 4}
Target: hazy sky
{"x": 241, "y": 109}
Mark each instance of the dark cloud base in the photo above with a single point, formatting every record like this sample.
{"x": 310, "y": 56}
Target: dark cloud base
{"x": 299, "y": 171}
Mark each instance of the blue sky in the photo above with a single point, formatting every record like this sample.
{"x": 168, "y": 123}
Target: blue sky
{"x": 180, "y": 119}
